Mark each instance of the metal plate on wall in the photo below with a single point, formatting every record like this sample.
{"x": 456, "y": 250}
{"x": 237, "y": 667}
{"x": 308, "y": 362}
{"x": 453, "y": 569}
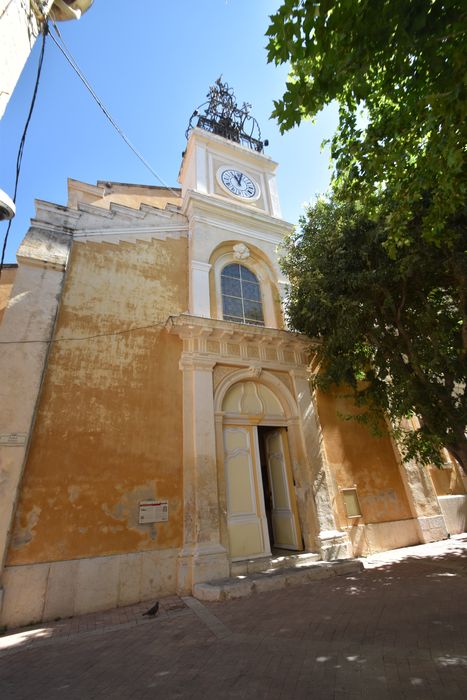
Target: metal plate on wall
{"x": 153, "y": 512}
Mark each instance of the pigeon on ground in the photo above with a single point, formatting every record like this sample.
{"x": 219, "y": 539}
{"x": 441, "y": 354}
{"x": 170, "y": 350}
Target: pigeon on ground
{"x": 152, "y": 612}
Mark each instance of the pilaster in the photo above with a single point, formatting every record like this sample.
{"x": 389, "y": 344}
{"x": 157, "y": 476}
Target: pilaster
{"x": 200, "y": 302}
{"x": 26, "y": 331}
{"x": 422, "y": 498}
{"x": 333, "y": 543}
{"x": 203, "y": 558}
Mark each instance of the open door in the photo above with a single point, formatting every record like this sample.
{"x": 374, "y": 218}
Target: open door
{"x": 284, "y": 516}
{"x": 246, "y": 517}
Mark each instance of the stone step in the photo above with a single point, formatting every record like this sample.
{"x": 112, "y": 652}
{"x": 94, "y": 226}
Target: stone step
{"x": 244, "y": 585}
{"x": 273, "y": 562}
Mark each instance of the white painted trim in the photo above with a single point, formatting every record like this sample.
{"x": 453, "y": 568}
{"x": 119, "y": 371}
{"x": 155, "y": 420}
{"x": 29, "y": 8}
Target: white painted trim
{"x": 260, "y": 270}
{"x": 201, "y": 170}
{"x": 188, "y": 326}
{"x": 270, "y": 421}
{"x": 198, "y": 265}
{"x": 216, "y": 204}
{"x": 210, "y": 157}
{"x": 239, "y": 231}
{"x": 279, "y": 389}
{"x": 200, "y": 301}
{"x": 275, "y": 206}
{"x": 243, "y": 152}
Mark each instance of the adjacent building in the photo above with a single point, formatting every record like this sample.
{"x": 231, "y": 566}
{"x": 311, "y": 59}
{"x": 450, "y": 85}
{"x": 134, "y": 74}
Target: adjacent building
{"x": 21, "y": 22}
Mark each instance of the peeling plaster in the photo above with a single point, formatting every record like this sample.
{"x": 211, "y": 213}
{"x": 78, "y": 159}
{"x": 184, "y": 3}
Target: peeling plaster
{"x": 73, "y": 493}
{"x": 110, "y": 415}
{"x": 24, "y": 535}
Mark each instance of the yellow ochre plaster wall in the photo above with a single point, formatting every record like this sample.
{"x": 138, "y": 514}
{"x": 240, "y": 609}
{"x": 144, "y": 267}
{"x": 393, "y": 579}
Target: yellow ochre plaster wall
{"x": 356, "y": 458}
{"x": 108, "y": 431}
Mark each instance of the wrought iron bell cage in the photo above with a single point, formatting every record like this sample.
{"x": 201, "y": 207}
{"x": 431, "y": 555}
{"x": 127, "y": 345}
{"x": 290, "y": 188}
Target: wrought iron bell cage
{"x": 223, "y": 116}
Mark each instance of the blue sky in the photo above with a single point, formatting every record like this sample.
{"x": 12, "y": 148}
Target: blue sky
{"x": 151, "y": 63}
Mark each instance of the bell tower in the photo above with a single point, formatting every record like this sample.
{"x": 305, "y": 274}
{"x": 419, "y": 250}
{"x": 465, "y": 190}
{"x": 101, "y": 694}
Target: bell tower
{"x": 230, "y": 197}
{"x": 225, "y": 154}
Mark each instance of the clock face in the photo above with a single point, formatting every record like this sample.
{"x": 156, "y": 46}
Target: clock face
{"x": 238, "y": 184}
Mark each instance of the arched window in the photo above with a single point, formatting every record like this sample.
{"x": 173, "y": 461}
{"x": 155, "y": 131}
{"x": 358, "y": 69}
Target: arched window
{"x": 241, "y": 295}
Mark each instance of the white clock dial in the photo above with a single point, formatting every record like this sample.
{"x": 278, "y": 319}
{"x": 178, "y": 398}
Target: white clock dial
{"x": 237, "y": 183}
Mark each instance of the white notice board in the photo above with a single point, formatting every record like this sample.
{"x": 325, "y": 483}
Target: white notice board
{"x": 153, "y": 512}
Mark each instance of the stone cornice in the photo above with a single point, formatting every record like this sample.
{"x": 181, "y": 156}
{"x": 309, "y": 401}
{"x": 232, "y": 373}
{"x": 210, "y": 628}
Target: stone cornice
{"x": 241, "y": 344}
{"x": 115, "y": 225}
{"x": 238, "y": 230}
{"x": 198, "y": 325}
{"x": 201, "y": 266}
{"x": 45, "y": 248}
{"x": 88, "y": 217}
{"x": 44, "y": 207}
{"x": 190, "y": 362}
{"x": 216, "y": 210}
{"x": 134, "y": 232}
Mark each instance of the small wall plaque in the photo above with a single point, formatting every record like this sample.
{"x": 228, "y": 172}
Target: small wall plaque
{"x": 153, "y": 512}
{"x": 13, "y": 439}
{"x": 352, "y": 506}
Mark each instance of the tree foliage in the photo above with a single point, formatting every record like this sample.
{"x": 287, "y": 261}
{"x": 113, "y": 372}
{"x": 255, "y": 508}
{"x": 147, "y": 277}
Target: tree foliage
{"x": 403, "y": 64}
{"x": 389, "y": 327}
{"x": 379, "y": 272}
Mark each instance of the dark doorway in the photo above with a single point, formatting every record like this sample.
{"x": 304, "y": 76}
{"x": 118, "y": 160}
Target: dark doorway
{"x": 279, "y": 495}
{"x": 267, "y": 491}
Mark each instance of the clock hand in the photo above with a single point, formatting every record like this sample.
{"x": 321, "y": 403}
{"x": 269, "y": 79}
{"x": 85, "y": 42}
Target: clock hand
{"x": 239, "y": 179}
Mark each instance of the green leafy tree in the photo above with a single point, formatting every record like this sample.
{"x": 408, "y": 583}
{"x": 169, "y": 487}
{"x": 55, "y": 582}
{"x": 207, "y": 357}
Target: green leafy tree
{"x": 390, "y": 327}
{"x": 379, "y": 272}
{"x": 402, "y": 64}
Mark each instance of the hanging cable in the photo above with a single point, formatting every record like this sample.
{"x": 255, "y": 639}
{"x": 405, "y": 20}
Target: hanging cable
{"x": 5, "y": 8}
{"x": 51, "y": 341}
{"x": 60, "y": 44}
{"x": 19, "y": 157}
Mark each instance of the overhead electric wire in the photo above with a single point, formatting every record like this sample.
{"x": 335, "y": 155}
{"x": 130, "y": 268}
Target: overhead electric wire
{"x": 19, "y": 157}
{"x": 123, "y": 331}
{"x": 67, "y": 54}
{"x": 5, "y": 9}
{"x": 60, "y": 44}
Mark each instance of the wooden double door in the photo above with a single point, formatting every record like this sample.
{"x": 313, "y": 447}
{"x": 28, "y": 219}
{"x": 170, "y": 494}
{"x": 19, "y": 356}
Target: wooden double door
{"x": 261, "y": 506}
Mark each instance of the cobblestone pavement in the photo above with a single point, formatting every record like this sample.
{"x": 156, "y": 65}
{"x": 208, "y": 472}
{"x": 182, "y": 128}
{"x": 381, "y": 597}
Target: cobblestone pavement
{"x": 396, "y": 630}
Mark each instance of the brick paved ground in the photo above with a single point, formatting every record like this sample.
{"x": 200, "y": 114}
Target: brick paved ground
{"x": 396, "y": 630}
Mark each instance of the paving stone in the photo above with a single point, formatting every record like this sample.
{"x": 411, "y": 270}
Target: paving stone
{"x": 398, "y": 629}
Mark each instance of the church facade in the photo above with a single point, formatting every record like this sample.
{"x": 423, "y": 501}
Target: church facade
{"x": 158, "y": 428}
